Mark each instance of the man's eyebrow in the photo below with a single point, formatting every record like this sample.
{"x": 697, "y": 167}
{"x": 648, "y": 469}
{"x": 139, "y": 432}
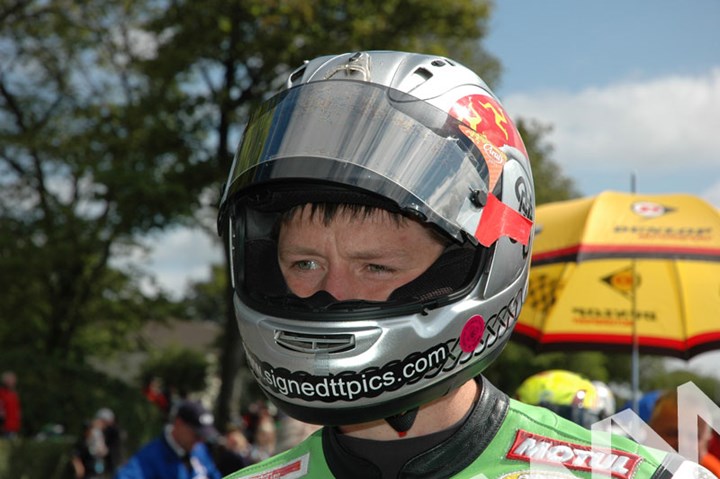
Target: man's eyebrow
{"x": 381, "y": 253}
{"x": 366, "y": 254}
{"x": 297, "y": 250}
{"x": 292, "y": 247}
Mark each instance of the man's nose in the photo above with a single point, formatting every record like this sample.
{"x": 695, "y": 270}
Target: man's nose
{"x": 338, "y": 282}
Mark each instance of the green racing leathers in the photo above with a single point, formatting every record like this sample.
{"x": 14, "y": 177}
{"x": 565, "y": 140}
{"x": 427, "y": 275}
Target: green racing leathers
{"x": 500, "y": 438}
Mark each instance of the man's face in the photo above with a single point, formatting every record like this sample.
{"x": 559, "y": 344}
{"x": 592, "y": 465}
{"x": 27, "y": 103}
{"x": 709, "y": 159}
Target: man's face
{"x": 185, "y": 435}
{"x": 665, "y": 422}
{"x": 355, "y": 256}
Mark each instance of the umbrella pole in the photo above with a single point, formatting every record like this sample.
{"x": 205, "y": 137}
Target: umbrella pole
{"x": 635, "y": 359}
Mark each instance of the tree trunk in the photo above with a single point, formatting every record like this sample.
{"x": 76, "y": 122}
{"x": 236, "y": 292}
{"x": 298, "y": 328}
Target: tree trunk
{"x": 230, "y": 359}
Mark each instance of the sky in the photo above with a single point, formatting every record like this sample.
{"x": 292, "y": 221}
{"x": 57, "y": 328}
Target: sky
{"x": 629, "y": 88}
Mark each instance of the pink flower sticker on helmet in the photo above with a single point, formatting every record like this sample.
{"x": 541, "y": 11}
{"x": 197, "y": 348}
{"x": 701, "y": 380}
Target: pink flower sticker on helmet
{"x": 472, "y": 333}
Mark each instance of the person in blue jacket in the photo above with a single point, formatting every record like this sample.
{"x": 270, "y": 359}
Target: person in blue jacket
{"x": 180, "y": 452}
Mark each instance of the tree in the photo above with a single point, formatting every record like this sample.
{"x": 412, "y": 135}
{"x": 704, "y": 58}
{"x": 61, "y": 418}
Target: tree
{"x": 550, "y": 182}
{"x": 669, "y": 379}
{"x": 83, "y": 170}
{"x": 181, "y": 370}
{"x": 205, "y": 300}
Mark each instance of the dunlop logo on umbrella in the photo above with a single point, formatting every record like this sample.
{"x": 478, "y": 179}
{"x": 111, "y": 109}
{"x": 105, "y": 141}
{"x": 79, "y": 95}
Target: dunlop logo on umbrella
{"x": 623, "y": 281}
{"x": 649, "y": 209}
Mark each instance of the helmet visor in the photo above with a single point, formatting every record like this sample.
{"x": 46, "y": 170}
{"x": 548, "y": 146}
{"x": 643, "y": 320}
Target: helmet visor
{"x": 367, "y": 136}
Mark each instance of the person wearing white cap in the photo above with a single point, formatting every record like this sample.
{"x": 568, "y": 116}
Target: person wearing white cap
{"x": 113, "y": 438}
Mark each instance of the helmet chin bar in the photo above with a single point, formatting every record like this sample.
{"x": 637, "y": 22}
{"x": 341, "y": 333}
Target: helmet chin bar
{"x": 358, "y": 415}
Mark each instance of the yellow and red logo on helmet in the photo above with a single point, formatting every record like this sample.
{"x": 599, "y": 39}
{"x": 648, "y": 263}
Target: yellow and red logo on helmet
{"x": 495, "y": 159}
{"x": 484, "y": 115}
{"x": 489, "y": 128}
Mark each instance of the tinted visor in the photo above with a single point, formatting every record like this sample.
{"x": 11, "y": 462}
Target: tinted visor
{"x": 368, "y": 137}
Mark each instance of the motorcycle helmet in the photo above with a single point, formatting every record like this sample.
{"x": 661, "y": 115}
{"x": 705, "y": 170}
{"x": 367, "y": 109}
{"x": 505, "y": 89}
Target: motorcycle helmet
{"x": 606, "y": 399}
{"x": 565, "y": 393}
{"x": 420, "y": 136}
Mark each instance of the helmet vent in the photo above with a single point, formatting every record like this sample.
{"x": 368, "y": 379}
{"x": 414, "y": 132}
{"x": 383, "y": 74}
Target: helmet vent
{"x": 423, "y": 73}
{"x": 313, "y": 344}
{"x": 296, "y": 75}
{"x": 418, "y": 77}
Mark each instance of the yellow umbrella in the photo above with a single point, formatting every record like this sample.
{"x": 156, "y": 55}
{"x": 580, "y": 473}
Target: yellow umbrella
{"x": 621, "y": 269}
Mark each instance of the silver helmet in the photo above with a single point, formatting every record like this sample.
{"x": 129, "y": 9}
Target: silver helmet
{"x": 418, "y": 135}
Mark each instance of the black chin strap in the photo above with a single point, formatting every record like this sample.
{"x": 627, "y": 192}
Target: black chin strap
{"x": 402, "y": 422}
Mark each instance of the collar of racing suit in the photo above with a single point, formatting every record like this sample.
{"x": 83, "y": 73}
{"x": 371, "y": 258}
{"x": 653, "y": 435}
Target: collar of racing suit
{"x": 443, "y": 460}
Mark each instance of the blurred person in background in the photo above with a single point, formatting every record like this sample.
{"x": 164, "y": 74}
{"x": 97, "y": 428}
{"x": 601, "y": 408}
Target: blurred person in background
{"x": 264, "y": 442}
{"x": 10, "y": 410}
{"x": 156, "y": 394}
{"x": 606, "y": 404}
{"x": 113, "y": 439}
{"x": 714, "y": 445}
{"x": 291, "y": 432}
{"x": 180, "y": 452}
{"x": 233, "y": 450}
{"x": 90, "y": 452}
{"x": 645, "y": 405}
{"x": 664, "y": 420}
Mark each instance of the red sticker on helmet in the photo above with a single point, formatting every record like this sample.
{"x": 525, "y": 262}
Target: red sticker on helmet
{"x": 472, "y": 333}
{"x": 498, "y": 219}
{"x": 484, "y": 114}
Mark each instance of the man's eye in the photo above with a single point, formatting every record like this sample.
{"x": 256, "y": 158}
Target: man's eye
{"x": 306, "y": 265}
{"x": 378, "y": 268}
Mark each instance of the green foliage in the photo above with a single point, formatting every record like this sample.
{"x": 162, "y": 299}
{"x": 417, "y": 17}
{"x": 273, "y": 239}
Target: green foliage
{"x": 183, "y": 369}
{"x": 85, "y": 166}
{"x": 57, "y": 392}
{"x": 550, "y": 183}
{"x": 205, "y": 300}
{"x": 34, "y": 459}
{"x": 664, "y": 379}
{"x": 518, "y": 362}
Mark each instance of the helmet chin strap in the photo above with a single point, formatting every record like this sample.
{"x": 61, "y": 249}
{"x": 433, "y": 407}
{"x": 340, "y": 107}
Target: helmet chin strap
{"x": 402, "y": 422}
